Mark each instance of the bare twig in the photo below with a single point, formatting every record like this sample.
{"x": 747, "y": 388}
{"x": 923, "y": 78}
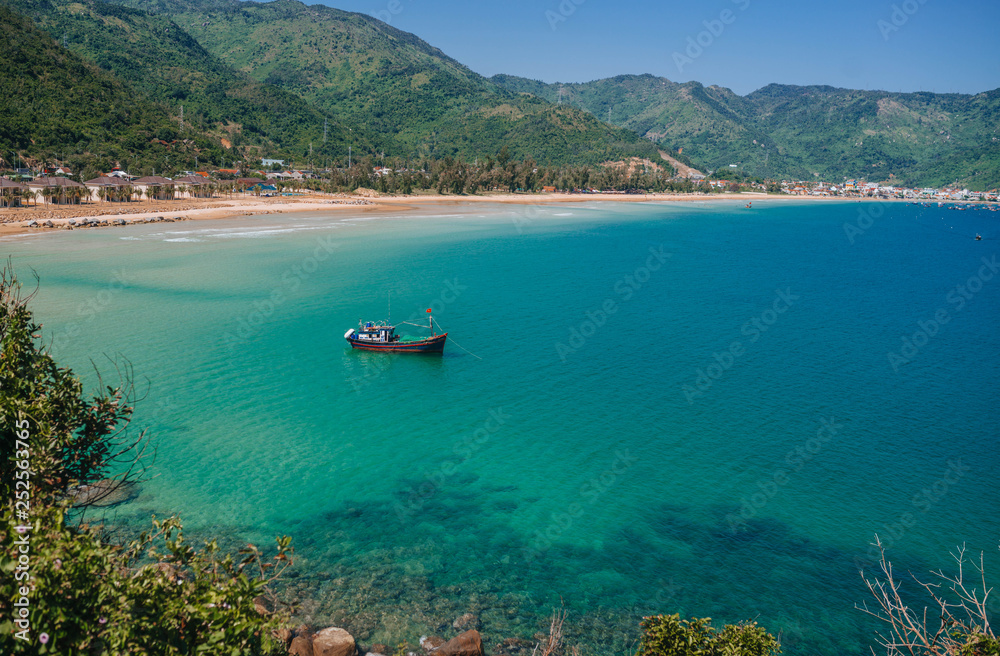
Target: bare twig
{"x": 961, "y": 610}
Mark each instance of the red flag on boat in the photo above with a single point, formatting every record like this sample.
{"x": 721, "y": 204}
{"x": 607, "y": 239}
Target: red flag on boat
{"x": 428, "y": 310}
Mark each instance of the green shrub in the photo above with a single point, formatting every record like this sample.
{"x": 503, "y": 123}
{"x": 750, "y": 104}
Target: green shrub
{"x": 669, "y": 635}
{"x": 65, "y": 588}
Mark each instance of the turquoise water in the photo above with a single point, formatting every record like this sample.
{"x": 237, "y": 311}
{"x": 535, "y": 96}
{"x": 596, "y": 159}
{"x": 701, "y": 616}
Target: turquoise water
{"x": 670, "y": 408}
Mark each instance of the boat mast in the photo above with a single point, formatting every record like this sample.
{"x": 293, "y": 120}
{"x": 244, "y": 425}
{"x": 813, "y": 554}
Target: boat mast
{"x": 430, "y": 320}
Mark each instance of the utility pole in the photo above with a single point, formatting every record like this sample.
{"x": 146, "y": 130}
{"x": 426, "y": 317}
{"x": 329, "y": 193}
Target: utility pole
{"x": 324, "y": 130}
{"x": 182, "y": 117}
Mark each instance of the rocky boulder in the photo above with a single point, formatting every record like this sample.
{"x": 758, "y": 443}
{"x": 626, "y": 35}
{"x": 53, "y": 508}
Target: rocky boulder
{"x": 301, "y": 646}
{"x": 333, "y": 642}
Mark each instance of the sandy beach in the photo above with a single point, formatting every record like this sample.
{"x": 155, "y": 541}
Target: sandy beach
{"x": 89, "y": 215}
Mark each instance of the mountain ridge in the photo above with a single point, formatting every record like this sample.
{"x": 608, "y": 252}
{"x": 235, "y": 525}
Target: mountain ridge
{"x": 809, "y": 132}
{"x": 311, "y": 81}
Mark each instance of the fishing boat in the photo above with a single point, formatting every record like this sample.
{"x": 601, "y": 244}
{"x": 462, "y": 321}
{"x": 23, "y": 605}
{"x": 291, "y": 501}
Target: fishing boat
{"x": 381, "y": 336}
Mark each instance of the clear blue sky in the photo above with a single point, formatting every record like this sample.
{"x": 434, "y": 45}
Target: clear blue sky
{"x": 940, "y": 45}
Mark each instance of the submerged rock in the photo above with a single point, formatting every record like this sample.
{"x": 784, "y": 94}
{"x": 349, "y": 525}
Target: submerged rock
{"x": 466, "y": 622}
{"x": 516, "y": 647}
{"x": 263, "y": 606}
{"x": 430, "y": 643}
{"x": 104, "y": 493}
{"x": 469, "y": 643}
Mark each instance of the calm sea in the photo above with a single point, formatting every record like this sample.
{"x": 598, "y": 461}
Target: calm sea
{"x": 692, "y": 408}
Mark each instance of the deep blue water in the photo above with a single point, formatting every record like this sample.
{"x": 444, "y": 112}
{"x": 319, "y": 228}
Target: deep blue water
{"x": 670, "y": 408}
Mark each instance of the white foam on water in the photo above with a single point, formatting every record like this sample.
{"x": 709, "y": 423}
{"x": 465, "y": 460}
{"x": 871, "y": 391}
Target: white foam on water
{"x": 184, "y": 239}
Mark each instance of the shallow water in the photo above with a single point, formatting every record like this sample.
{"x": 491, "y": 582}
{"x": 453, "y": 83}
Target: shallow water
{"x": 670, "y": 408}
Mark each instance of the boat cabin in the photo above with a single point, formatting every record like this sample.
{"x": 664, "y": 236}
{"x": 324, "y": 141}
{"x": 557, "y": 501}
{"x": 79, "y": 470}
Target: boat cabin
{"x": 376, "y": 331}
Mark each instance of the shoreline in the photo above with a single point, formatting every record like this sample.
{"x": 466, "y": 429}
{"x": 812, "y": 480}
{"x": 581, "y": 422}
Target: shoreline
{"x": 15, "y": 222}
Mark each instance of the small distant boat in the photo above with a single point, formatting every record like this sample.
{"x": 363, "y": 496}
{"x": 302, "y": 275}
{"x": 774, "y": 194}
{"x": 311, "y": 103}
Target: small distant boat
{"x": 749, "y": 204}
{"x": 381, "y": 336}
{"x": 979, "y": 237}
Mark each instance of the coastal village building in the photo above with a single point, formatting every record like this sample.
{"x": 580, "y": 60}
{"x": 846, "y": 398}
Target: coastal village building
{"x": 60, "y": 191}
{"x": 109, "y": 188}
{"x": 12, "y": 193}
{"x": 195, "y": 186}
{"x": 155, "y": 187}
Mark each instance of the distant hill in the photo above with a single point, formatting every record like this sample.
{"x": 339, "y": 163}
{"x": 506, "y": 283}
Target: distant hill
{"x": 166, "y": 65}
{"x": 409, "y": 96}
{"x": 52, "y": 100}
{"x": 801, "y": 132}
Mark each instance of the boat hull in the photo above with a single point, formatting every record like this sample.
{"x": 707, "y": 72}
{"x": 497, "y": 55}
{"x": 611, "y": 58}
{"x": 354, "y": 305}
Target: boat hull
{"x": 430, "y": 345}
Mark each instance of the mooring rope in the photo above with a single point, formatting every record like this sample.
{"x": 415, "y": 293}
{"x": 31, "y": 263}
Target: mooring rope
{"x": 456, "y": 343}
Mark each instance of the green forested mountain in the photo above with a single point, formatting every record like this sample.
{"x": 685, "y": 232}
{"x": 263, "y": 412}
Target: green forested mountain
{"x": 166, "y": 65}
{"x": 409, "y": 96}
{"x": 53, "y": 104}
{"x": 801, "y": 132}
{"x": 262, "y": 79}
